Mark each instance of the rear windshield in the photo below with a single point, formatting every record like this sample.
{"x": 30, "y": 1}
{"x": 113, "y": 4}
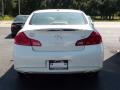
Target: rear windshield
{"x": 58, "y": 18}
{"x": 21, "y": 18}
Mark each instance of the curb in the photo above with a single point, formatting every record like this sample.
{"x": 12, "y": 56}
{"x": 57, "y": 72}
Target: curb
{"x": 5, "y": 23}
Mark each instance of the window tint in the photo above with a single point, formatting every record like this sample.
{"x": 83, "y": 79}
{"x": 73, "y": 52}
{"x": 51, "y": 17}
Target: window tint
{"x": 58, "y": 18}
{"x": 21, "y": 18}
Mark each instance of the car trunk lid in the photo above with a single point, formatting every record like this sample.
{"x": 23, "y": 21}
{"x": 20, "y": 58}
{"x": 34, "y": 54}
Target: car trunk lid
{"x": 58, "y": 39}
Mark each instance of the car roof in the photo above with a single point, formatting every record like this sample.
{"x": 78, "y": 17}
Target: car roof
{"x": 58, "y": 10}
{"x": 20, "y": 19}
{"x": 21, "y": 15}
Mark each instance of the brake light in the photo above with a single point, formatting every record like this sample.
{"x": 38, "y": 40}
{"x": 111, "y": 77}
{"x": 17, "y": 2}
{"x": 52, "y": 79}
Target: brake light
{"x": 22, "y": 39}
{"x": 94, "y": 38}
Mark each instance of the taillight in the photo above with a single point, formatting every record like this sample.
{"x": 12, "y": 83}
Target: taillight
{"x": 22, "y": 39}
{"x": 94, "y": 38}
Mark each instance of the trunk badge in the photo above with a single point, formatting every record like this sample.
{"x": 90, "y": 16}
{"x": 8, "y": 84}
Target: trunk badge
{"x": 58, "y": 37}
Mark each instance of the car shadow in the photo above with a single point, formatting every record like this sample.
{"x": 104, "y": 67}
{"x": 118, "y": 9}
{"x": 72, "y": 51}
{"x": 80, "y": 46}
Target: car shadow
{"x": 9, "y": 36}
{"x": 107, "y": 79}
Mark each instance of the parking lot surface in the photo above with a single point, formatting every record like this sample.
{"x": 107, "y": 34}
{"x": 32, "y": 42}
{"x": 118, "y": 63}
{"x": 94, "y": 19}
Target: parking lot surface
{"x": 108, "y": 78}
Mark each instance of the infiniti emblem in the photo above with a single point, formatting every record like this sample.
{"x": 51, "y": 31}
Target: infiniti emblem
{"x": 58, "y": 37}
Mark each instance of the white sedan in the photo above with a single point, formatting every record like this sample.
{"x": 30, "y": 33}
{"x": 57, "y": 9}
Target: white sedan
{"x": 58, "y": 41}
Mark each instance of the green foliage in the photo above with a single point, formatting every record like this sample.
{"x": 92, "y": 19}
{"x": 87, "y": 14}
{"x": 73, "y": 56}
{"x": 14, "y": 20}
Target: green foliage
{"x": 106, "y": 9}
{"x": 6, "y": 17}
{"x": 1, "y": 18}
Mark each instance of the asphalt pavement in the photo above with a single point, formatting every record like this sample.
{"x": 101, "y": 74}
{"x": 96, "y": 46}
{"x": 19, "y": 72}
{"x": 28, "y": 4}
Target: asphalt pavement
{"x": 108, "y": 78}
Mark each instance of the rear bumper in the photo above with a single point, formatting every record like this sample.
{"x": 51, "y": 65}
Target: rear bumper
{"x": 28, "y": 61}
{"x": 34, "y": 70}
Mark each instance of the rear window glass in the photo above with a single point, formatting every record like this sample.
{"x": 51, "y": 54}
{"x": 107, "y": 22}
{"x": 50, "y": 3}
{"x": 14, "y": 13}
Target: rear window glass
{"x": 21, "y": 18}
{"x": 58, "y": 18}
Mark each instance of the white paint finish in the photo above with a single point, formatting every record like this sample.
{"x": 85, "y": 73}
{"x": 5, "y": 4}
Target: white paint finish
{"x": 91, "y": 57}
{"x": 82, "y": 58}
{"x": 58, "y": 40}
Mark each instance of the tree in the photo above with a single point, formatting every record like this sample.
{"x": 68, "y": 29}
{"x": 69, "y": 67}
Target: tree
{"x": 107, "y": 8}
{"x": 104, "y": 8}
